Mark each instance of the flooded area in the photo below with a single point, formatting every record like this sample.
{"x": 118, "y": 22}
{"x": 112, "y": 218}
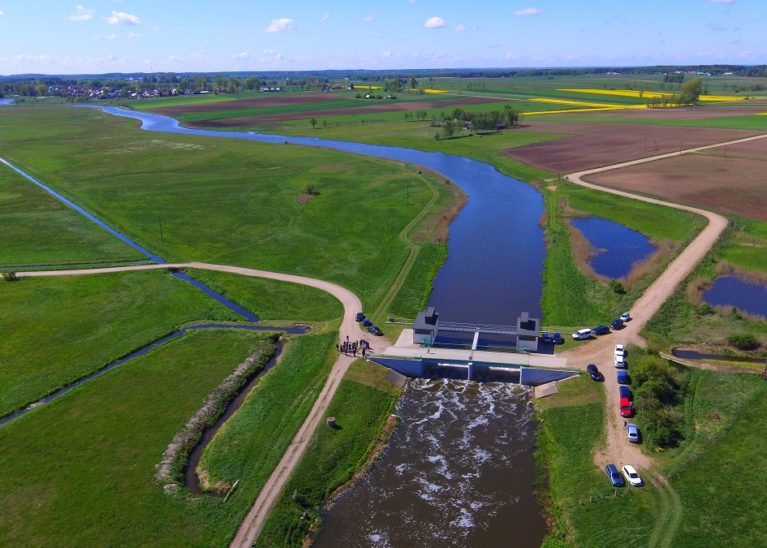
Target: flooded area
{"x": 458, "y": 471}
{"x": 748, "y": 297}
{"x": 617, "y": 247}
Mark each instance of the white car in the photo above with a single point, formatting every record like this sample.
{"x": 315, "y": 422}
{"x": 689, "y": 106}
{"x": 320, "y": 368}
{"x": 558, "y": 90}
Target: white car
{"x": 631, "y": 475}
{"x": 626, "y": 317}
{"x": 620, "y": 350}
{"x": 620, "y": 362}
{"x": 582, "y": 334}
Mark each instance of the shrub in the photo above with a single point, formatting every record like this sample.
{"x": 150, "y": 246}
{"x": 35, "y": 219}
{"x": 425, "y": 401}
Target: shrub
{"x": 743, "y": 341}
{"x": 705, "y": 309}
{"x": 617, "y": 287}
{"x": 10, "y": 276}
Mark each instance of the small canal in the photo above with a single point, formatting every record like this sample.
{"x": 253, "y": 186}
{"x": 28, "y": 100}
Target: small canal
{"x": 459, "y": 469}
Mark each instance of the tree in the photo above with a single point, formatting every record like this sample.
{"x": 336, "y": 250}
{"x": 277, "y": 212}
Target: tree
{"x": 691, "y": 91}
{"x": 313, "y": 121}
{"x": 413, "y": 82}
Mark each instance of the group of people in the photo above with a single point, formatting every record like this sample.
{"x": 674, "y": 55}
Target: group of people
{"x": 352, "y": 347}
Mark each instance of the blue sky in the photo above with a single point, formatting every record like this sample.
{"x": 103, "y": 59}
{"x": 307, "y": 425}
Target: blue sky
{"x": 58, "y": 37}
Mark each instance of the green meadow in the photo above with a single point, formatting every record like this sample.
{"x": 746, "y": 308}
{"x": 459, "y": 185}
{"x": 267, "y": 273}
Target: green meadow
{"x": 37, "y": 229}
{"x": 55, "y": 330}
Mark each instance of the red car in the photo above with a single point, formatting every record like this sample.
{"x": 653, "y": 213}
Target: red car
{"x": 627, "y": 407}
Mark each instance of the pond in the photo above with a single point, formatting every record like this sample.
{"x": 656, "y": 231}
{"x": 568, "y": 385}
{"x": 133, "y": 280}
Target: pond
{"x": 617, "y": 247}
{"x": 748, "y": 297}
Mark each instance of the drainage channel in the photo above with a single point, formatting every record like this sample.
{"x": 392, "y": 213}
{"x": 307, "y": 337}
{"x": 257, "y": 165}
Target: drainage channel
{"x": 295, "y": 330}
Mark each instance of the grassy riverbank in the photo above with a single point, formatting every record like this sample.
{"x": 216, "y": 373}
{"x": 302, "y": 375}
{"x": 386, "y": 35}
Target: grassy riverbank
{"x": 361, "y": 407}
{"x": 89, "y": 459}
{"x": 45, "y": 344}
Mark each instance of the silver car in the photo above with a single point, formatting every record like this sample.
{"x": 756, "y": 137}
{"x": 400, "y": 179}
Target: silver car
{"x": 632, "y": 431}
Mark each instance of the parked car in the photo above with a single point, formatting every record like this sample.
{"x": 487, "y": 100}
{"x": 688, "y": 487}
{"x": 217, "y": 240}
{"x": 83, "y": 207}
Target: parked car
{"x": 546, "y": 337}
{"x": 601, "y": 330}
{"x": 632, "y": 431}
{"x": 366, "y": 322}
{"x": 620, "y": 350}
{"x": 632, "y": 476}
{"x": 617, "y": 324}
{"x": 620, "y": 362}
{"x": 359, "y": 317}
{"x": 375, "y": 330}
{"x": 557, "y": 338}
{"x": 626, "y": 317}
{"x": 615, "y": 478}
{"x": 627, "y": 407}
{"x": 623, "y": 378}
{"x": 582, "y": 334}
{"x": 594, "y": 372}
{"x": 624, "y": 391}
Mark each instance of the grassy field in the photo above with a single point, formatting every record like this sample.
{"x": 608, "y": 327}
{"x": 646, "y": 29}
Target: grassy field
{"x": 80, "y": 470}
{"x": 45, "y": 344}
{"x": 581, "y": 501}
{"x": 273, "y": 301}
{"x": 37, "y": 229}
{"x": 251, "y": 443}
{"x": 414, "y": 293}
{"x": 361, "y": 406}
{"x": 227, "y": 201}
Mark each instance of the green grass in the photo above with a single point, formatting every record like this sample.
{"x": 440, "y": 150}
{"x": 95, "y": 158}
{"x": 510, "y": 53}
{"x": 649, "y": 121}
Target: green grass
{"x": 55, "y": 330}
{"x": 79, "y": 471}
{"x": 723, "y": 504}
{"x": 224, "y": 200}
{"x": 37, "y": 229}
{"x": 254, "y": 439}
{"x": 334, "y": 454}
{"x": 414, "y": 293}
{"x": 273, "y": 301}
{"x": 581, "y": 502}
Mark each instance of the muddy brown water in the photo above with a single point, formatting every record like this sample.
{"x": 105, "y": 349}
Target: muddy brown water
{"x": 458, "y": 471}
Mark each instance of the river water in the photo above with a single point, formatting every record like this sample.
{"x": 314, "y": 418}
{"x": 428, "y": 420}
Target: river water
{"x": 458, "y": 471}
{"x": 617, "y": 247}
{"x": 459, "y": 468}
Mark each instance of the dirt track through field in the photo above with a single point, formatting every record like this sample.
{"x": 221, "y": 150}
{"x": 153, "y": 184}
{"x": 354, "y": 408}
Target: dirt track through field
{"x": 617, "y": 449}
{"x": 258, "y": 513}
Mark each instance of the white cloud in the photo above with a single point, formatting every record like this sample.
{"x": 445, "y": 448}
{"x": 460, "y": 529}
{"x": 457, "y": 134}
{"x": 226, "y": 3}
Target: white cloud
{"x": 271, "y": 55}
{"x": 528, "y": 11}
{"x": 460, "y": 28}
{"x": 175, "y": 59}
{"x": 722, "y": 1}
{"x": 82, "y": 14}
{"x": 434, "y": 23}
{"x": 132, "y": 35}
{"x": 370, "y": 18}
{"x": 242, "y": 56}
{"x": 122, "y": 18}
{"x": 2, "y": 13}
{"x": 386, "y": 55}
{"x": 324, "y": 17}
{"x": 281, "y": 24}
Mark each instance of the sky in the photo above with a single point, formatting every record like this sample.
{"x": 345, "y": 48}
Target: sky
{"x": 98, "y": 36}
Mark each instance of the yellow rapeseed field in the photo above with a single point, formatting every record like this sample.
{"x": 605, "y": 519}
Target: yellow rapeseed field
{"x": 430, "y": 90}
{"x": 571, "y": 102}
{"x": 621, "y": 92}
{"x": 366, "y": 87}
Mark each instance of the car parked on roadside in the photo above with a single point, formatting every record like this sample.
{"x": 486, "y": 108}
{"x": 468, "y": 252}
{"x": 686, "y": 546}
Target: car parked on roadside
{"x": 623, "y": 377}
{"x": 375, "y": 330}
{"x": 582, "y": 334}
{"x": 546, "y": 337}
{"x": 366, "y": 322}
{"x": 359, "y": 317}
{"x": 624, "y": 391}
{"x": 632, "y": 432}
{"x": 620, "y": 350}
{"x": 617, "y": 324}
{"x": 626, "y": 407}
{"x": 557, "y": 338}
{"x": 631, "y": 475}
{"x": 592, "y": 370}
{"x": 626, "y": 317}
{"x": 601, "y": 329}
{"x": 615, "y": 478}
{"x": 620, "y": 362}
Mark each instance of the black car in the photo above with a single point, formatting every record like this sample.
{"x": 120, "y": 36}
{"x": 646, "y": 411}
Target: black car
{"x": 359, "y": 317}
{"x": 601, "y": 330}
{"x": 594, "y": 372}
{"x": 615, "y": 477}
{"x": 617, "y": 324}
{"x": 557, "y": 338}
{"x": 546, "y": 337}
{"x": 375, "y": 330}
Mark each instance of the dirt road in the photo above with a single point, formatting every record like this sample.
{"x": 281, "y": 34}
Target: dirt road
{"x": 258, "y": 513}
{"x": 600, "y": 351}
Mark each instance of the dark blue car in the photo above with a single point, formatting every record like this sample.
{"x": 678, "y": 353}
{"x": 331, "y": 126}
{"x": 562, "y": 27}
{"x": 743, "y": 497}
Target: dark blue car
{"x": 624, "y": 391}
{"x": 359, "y": 317}
{"x": 366, "y": 322}
{"x": 557, "y": 338}
{"x": 623, "y": 377}
{"x": 615, "y": 477}
{"x": 617, "y": 324}
{"x": 601, "y": 330}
